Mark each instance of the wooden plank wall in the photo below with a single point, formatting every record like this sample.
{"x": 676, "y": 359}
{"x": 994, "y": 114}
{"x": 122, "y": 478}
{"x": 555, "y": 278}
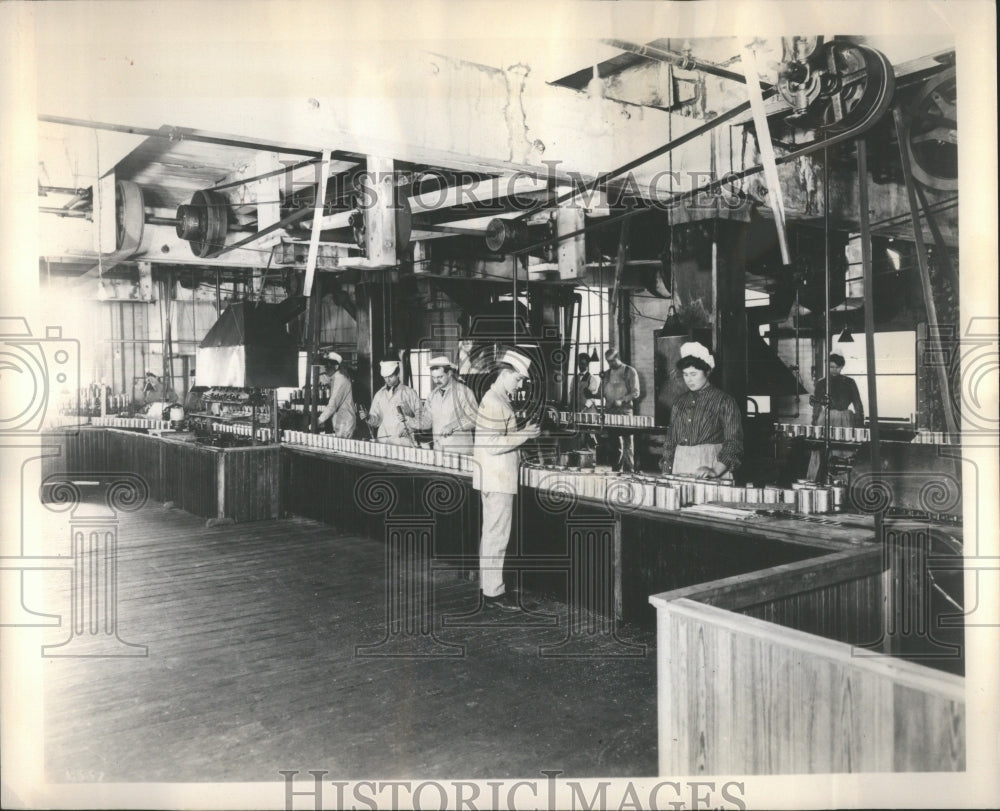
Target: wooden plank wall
{"x": 737, "y": 695}
{"x": 252, "y": 483}
{"x": 76, "y": 452}
{"x": 189, "y": 478}
{"x": 658, "y": 555}
{"x": 837, "y": 596}
{"x": 182, "y": 473}
{"x": 332, "y": 489}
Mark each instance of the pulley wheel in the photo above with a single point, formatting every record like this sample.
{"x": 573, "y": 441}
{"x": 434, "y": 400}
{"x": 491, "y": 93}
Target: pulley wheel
{"x": 130, "y": 216}
{"x": 932, "y": 133}
{"x": 857, "y": 87}
{"x": 204, "y": 222}
{"x": 504, "y": 234}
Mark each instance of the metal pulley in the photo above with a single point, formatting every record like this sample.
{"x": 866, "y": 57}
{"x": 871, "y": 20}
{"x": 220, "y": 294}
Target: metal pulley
{"x": 932, "y": 133}
{"x": 506, "y": 236}
{"x": 130, "y": 217}
{"x": 798, "y": 83}
{"x": 834, "y": 86}
{"x": 204, "y": 222}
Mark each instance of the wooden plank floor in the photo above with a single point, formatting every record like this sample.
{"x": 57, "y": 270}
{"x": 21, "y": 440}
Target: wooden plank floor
{"x": 251, "y": 668}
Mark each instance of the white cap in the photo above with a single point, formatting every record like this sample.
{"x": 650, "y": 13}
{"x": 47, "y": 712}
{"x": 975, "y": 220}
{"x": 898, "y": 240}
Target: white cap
{"x": 441, "y": 360}
{"x": 387, "y": 367}
{"x": 334, "y": 357}
{"x": 519, "y": 362}
{"x": 697, "y": 350}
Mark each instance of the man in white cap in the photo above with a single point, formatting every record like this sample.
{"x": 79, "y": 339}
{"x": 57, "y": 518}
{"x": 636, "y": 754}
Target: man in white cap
{"x": 391, "y": 405}
{"x": 620, "y": 387}
{"x": 340, "y": 406}
{"x": 705, "y": 437}
{"x": 450, "y": 411}
{"x": 495, "y": 474}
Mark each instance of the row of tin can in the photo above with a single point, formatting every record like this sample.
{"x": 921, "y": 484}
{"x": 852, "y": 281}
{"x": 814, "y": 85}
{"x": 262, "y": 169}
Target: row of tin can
{"x": 837, "y": 433}
{"x": 617, "y": 420}
{"x": 668, "y": 492}
{"x": 130, "y": 422}
{"x": 376, "y": 450}
{"x": 241, "y": 429}
{"x": 936, "y": 438}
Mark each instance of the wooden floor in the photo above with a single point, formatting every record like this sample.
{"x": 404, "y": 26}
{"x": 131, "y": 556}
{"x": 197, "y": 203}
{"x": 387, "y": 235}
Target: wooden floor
{"x": 251, "y": 632}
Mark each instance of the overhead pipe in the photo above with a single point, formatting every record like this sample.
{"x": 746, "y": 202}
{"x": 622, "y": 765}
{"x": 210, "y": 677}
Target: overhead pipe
{"x": 682, "y": 61}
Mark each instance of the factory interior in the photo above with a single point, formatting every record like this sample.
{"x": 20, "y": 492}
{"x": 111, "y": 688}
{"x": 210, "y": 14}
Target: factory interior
{"x": 630, "y": 252}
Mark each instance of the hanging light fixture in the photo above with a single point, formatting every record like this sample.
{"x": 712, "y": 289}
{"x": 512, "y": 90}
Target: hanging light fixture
{"x": 594, "y": 357}
{"x": 846, "y": 336}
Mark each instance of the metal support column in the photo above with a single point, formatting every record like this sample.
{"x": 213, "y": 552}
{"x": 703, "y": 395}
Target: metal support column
{"x": 866, "y": 266}
{"x": 933, "y": 325}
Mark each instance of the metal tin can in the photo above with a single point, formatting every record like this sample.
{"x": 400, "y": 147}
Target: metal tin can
{"x": 649, "y": 493}
{"x": 821, "y": 500}
{"x": 754, "y": 495}
{"x": 660, "y": 496}
{"x": 804, "y": 501}
{"x": 771, "y": 495}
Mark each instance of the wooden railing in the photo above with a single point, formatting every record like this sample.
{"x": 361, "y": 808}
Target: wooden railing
{"x": 739, "y": 694}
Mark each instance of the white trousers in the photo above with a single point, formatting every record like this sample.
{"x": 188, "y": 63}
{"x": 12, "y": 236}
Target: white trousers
{"x": 498, "y": 512}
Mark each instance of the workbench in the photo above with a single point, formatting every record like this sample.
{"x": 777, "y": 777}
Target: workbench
{"x": 612, "y": 558}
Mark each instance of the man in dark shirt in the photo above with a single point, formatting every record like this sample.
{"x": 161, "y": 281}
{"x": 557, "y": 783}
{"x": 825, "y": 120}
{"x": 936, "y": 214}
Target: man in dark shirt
{"x": 620, "y": 388}
{"x": 843, "y": 393}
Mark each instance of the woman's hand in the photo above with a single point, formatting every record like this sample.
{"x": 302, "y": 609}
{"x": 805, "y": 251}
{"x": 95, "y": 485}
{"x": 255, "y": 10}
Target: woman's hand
{"x": 705, "y": 472}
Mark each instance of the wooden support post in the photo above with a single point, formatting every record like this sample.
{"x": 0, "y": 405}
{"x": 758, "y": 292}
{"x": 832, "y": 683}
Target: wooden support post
{"x": 317, "y": 217}
{"x": 380, "y": 212}
{"x": 571, "y": 255}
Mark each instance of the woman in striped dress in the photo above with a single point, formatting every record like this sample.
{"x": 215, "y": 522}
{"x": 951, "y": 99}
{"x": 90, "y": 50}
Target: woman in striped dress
{"x": 705, "y": 437}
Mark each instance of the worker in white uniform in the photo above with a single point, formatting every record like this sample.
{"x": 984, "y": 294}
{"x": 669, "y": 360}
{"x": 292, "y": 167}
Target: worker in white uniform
{"x": 495, "y": 475}
{"x": 391, "y": 405}
{"x": 450, "y": 410}
{"x": 340, "y": 407}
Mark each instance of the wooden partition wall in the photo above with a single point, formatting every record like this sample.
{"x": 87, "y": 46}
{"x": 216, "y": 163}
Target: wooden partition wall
{"x": 237, "y": 484}
{"x": 741, "y": 695}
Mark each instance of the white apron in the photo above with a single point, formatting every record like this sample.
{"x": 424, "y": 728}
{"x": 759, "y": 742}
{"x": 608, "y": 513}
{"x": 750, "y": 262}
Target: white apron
{"x": 688, "y": 458}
